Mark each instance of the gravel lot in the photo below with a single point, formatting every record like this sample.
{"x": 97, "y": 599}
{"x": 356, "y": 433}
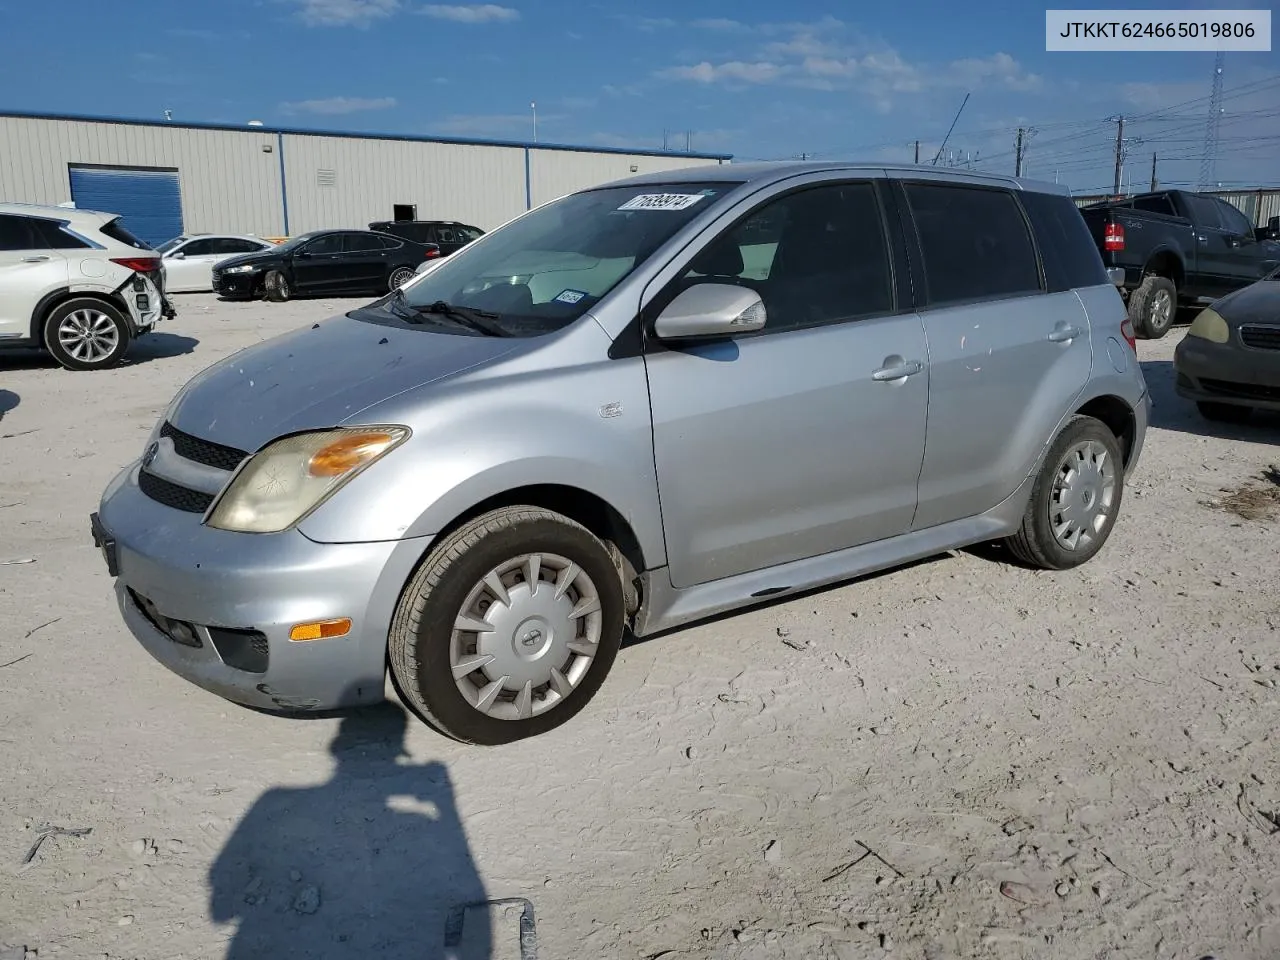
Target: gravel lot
{"x": 957, "y": 759}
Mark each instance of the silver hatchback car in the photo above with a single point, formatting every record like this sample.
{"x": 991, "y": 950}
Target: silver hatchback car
{"x": 631, "y": 408}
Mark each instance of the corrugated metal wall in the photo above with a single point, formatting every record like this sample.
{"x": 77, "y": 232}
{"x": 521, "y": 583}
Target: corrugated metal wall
{"x": 1258, "y": 205}
{"x": 228, "y": 182}
{"x": 231, "y": 179}
{"x": 553, "y": 173}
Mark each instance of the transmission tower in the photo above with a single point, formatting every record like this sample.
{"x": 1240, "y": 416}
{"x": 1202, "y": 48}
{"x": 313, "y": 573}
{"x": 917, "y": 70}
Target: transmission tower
{"x": 1209, "y": 161}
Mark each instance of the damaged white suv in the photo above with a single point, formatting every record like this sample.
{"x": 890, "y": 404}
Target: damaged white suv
{"x": 76, "y": 283}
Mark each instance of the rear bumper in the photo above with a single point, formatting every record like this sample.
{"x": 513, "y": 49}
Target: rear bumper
{"x": 169, "y": 567}
{"x": 1227, "y": 373}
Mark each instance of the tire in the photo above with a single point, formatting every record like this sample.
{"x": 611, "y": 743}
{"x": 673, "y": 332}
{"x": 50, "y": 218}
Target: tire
{"x": 425, "y": 641}
{"x": 399, "y": 277}
{"x": 1093, "y": 514}
{"x": 87, "y": 334}
{"x": 1224, "y": 412}
{"x": 1152, "y": 307}
{"x": 275, "y": 285}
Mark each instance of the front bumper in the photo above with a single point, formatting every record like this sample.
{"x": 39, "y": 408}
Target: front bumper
{"x": 1227, "y": 373}
{"x": 260, "y": 583}
{"x": 236, "y": 286}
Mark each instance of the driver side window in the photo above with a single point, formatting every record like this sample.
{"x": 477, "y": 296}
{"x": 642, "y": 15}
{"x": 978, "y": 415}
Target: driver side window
{"x": 325, "y": 245}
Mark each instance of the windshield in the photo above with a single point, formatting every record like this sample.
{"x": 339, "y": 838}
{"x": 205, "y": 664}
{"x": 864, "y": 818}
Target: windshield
{"x": 170, "y": 244}
{"x": 543, "y": 271}
{"x": 293, "y": 243}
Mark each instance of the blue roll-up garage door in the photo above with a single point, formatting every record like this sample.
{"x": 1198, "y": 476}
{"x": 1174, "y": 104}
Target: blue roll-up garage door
{"x": 149, "y": 201}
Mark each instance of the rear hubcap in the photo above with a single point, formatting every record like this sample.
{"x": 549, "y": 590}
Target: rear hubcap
{"x": 526, "y": 636}
{"x": 88, "y": 335}
{"x": 1083, "y": 496}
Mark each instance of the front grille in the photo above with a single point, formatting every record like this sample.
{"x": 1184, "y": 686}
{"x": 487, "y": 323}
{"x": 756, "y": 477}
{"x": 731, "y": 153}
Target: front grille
{"x": 202, "y": 451}
{"x": 172, "y": 495}
{"x": 1244, "y": 391}
{"x": 1259, "y": 337}
{"x": 245, "y": 650}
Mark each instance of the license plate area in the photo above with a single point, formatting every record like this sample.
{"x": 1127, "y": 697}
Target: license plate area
{"x": 106, "y": 543}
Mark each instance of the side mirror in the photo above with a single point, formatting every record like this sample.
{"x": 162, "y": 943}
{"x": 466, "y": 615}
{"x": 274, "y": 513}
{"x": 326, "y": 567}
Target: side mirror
{"x": 178, "y": 256}
{"x": 711, "y": 310}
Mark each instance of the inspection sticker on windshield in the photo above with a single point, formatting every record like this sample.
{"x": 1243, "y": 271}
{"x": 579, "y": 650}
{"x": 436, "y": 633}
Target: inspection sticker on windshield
{"x": 570, "y": 296}
{"x": 662, "y": 201}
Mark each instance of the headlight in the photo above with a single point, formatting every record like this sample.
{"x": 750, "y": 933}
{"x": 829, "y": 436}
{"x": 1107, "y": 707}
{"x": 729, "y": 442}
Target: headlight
{"x": 289, "y": 478}
{"x": 243, "y": 268}
{"x": 1210, "y": 326}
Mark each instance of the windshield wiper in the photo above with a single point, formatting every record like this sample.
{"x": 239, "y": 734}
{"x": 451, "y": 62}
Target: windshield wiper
{"x": 479, "y": 320}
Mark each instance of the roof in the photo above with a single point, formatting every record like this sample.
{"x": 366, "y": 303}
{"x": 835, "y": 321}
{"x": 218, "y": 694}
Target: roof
{"x": 352, "y": 135}
{"x": 773, "y": 171}
{"x": 53, "y": 212}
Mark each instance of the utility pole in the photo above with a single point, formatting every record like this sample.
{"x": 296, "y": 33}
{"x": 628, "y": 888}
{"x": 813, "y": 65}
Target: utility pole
{"x": 664, "y": 140}
{"x": 1154, "y": 182}
{"x": 534, "y": 107}
{"x": 1119, "y": 153}
{"x": 1017, "y": 150}
{"x": 688, "y": 140}
{"x": 917, "y": 151}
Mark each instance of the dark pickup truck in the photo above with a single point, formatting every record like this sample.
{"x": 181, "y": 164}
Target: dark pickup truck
{"x": 1178, "y": 249}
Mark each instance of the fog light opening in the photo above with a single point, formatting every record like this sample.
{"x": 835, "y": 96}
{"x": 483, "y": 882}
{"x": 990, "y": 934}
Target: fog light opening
{"x": 320, "y": 630}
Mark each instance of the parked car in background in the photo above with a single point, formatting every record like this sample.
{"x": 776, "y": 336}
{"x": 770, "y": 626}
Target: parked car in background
{"x": 594, "y": 419}
{"x": 449, "y": 235}
{"x": 322, "y": 262}
{"x": 77, "y": 284}
{"x": 189, "y": 261}
{"x": 1229, "y": 361}
{"x": 1177, "y": 248}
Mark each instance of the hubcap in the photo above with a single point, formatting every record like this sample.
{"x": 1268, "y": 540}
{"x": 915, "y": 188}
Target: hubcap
{"x": 1084, "y": 494}
{"x": 526, "y": 636}
{"x": 88, "y": 335}
{"x": 401, "y": 277}
{"x": 1161, "y": 308}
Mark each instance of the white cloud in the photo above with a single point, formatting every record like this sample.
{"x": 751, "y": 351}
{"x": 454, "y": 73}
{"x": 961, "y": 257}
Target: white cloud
{"x": 471, "y": 13}
{"x": 345, "y": 13}
{"x": 734, "y": 71}
{"x": 720, "y": 23}
{"x": 335, "y": 106}
{"x": 999, "y": 69}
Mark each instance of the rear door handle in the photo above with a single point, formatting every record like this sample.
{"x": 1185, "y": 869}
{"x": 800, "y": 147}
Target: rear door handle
{"x": 34, "y": 259}
{"x": 1064, "y": 334}
{"x": 897, "y": 371}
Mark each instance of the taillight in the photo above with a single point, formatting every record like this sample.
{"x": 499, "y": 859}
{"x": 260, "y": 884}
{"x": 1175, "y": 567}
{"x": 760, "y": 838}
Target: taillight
{"x": 1126, "y": 331}
{"x": 1113, "y": 239}
{"x": 432, "y": 253}
{"x": 138, "y": 264}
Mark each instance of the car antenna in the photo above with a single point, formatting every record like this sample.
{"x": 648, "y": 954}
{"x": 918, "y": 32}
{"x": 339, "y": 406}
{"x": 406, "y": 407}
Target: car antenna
{"x": 949, "y": 129}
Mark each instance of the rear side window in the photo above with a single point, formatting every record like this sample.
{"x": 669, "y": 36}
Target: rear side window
{"x": 363, "y": 243}
{"x": 116, "y": 231}
{"x": 55, "y": 238}
{"x": 19, "y": 233}
{"x": 1160, "y": 203}
{"x": 1070, "y": 256}
{"x": 391, "y": 243}
{"x": 471, "y": 233}
{"x": 974, "y": 241}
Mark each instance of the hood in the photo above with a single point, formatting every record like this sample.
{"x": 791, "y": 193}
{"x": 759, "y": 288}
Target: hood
{"x": 319, "y": 376}
{"x": 1257, "y": 303}
{"x": 262, "y": 256}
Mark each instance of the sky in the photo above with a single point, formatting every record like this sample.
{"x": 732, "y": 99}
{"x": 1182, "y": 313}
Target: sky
{"x": 755, "y": 79}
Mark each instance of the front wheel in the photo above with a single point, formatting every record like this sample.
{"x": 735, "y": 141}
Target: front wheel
{"x": 509, "y": 626}
{"x": 276, "y": 286}
{"x": 87, "y": 334}
{"x": 1075, "y": 498}
{"x": 1224, "y": 412}
{"x": 399, "y": 277}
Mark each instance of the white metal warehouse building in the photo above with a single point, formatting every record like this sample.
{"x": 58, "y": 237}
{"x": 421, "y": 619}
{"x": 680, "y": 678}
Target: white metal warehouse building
{"x": 167, "y": 178}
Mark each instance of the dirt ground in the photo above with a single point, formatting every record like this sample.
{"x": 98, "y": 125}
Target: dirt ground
{"x": 959, "y": 759}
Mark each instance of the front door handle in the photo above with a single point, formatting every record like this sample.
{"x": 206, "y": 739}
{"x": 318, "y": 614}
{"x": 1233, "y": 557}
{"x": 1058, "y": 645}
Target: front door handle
{"x": 1064, "y": 334}
{"x": 897, "y": 369}
{"x": 34, "y": 259}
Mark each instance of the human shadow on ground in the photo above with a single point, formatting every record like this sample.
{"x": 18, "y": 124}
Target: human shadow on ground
{"x": 367, "y": 864}
{"x": 1172, "y": 412}
{"x": 8, "y": 400}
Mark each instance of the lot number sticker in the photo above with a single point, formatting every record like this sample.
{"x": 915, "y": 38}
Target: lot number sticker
{"x": 662, "y": 201}
{"x": 570, "y": 296}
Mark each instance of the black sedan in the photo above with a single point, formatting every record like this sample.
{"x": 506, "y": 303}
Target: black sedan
{"x": 1229, "y": 361}
{"x": 322, "y": 262}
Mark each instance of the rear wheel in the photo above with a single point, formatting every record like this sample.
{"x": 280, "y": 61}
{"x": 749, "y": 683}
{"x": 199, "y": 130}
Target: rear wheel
{"x": 399, "y": 277}
{"x": 1152, "y": 307}
{"x": 87, "y": 334}
{"x": 1224, "y": 412}
{"x": 509, "y": 626}
{"x": 1075, "y": 498}
{"x": 276, "y": 286}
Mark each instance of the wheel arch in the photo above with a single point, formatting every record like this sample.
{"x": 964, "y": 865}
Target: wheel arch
{"x": 46, "y": 304}
{"x": 1166, "y": 262}
{"x": 1118, "y": 417}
